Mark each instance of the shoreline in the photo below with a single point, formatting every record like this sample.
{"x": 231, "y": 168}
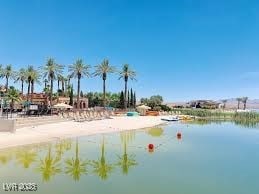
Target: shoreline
{"x": 70, "y": 129}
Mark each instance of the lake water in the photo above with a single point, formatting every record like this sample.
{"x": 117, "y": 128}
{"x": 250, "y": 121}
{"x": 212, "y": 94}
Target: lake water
{"x": 213, "y": 158}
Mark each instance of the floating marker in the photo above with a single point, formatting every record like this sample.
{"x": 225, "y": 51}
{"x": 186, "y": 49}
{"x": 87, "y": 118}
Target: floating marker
{"x": 179, "y": 135}
{"x": 150, "y": 146}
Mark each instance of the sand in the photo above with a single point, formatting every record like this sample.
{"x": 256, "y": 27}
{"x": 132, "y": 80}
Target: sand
{"x": 68, "y": 129}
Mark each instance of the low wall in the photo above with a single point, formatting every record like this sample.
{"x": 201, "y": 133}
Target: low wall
{"x": 7, "y": 125}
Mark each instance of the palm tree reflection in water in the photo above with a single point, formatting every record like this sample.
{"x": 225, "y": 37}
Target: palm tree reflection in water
{"x": 126, "y": 161}
{"x": 75, "y": 167}
{"x": 101, "y": 167}
{"x": 26, "y": 157}
{"x": 49, "y": 166}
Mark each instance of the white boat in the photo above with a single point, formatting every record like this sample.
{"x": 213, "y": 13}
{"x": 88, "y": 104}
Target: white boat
{"x": 170, "y": 119}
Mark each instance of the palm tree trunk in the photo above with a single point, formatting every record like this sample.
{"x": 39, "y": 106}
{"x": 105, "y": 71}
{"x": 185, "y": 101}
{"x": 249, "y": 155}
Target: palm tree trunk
{"x": 78, "y": 91}
{"x": 238, "y": 104}
{"x": 7, "y": 83}
{"x": 244, "y": 105}
{"x": 22, "y": 87}
{"x": 51, "y": 91}
{"x": 32, "y": 89}
{"x": 63, "y": 87}
{"x": 28, "y": 91}
{"x": 104, "y": 93}
{"x": 125, "y": 93}
{"x": 58, "y": 84}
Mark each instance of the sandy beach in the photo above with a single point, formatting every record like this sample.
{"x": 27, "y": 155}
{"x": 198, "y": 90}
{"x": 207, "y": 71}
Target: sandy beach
{"x": 67, "y": 129}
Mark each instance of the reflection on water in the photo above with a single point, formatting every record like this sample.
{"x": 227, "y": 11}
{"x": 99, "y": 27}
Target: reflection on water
{"x": 102, "y": 168}
{"x": 49, "y": 166}
{"x": 126, "y": 160}
{"x": 155, "y": 132}
{"x": 242, "y": 123}
{"x": 75, "y": 166}
{"x": 209, "y": 158}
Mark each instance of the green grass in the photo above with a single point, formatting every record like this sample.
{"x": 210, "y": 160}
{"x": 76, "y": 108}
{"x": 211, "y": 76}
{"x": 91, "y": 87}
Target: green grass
{"x": 248, "y": 119}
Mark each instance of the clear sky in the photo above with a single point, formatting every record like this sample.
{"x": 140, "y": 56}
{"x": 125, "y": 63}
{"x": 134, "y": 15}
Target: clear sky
{"x": 185, "y": 49}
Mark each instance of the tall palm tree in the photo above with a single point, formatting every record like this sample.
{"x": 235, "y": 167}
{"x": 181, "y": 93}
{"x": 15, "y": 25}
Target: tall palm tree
{"x": 75, "y": 166}
{"x": 101, "y": 167}
{"x": 126, "y": 73}
{"x": 35, "y": 78}
{"x": 102, "y": 70}
{"x": 21, "y": 76}
{"x": 8, "y": 73}
{"x": 238, "y": 102}
{"x": 49, "y": 166}
{"x": 51, "y": 71}
{"x": 244, "y": 100}
{"x": 78, "y": 70}
{"x": 32, "y": 76}
{"x": 63, "y": 80}
{"x": 29, "y": 74}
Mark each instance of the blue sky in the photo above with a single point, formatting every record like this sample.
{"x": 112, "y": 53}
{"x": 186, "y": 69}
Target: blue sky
{"x": 182, "y": 50}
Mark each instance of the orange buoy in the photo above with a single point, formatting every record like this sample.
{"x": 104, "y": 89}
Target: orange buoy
{"x": 179, "y": 135}
{"x": 150, "y": 146}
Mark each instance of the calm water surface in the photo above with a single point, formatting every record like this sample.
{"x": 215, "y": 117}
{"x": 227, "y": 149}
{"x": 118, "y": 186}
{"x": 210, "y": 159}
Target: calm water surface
{"x": 209, "y": 159}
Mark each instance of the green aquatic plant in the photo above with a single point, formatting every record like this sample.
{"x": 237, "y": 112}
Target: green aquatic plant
{"x": 76, "y": 167}
{"x": 101, "y": 167}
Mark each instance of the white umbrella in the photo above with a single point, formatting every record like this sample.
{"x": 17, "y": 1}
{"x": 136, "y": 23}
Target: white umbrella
{"x": 62, "y": 105}
{"x": 143, "y": 109}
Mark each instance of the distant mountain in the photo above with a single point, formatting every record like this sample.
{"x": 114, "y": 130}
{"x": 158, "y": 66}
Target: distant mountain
{"x": 231, "y": 103}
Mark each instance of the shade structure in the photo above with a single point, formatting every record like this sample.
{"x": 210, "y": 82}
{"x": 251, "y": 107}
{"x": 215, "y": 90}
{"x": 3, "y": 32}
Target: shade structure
{"x": 143, "y": 109}
{"x": 62, "y": 106}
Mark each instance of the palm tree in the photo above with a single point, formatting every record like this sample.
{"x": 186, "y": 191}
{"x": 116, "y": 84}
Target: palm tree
{"x": 21, "y": 76}
{"x": 51, "y": 70}
{"x": 8, "y": 73}
{"x": 101, "y": 168}
{"x": 29, "y": 73}
{"x": 13, "y": 95}
{"x": 244, "y": 100}
{"x": 26, "y": 157}
{"x": 63, "y": 80}
{"x": 35, "y": 78}
{"x": 102, "y": 70}
{"x": 224, "y": 103}
{"x": 126, "y": 74}
{"x": 49, "y": 166}
{"x": 78, "y": 70}
{"x": 75, "y": 166}
{"x": 238, "y": 102}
